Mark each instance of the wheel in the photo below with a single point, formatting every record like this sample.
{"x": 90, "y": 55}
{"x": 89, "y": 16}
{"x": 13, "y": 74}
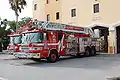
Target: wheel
{"x": 53, "y": 57}
{"x": 93, "y": 51}
{"x": 87, "y": 52}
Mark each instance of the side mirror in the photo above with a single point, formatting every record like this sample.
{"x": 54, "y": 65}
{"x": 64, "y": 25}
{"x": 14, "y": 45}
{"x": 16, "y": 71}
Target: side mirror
{"x": 96, "y": 33}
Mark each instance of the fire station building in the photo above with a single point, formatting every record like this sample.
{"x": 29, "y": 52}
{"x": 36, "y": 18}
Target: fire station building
{"x": 103, "y": 15}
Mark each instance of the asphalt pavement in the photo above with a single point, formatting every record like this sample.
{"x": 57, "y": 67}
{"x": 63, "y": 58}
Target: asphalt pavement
{"x": 98, "y": 67}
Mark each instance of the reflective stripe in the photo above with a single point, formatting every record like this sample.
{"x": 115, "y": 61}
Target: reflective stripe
{"x": 27, "y": 55}
{"x": 49, "y": 44}
{"x": 42, "y": 44}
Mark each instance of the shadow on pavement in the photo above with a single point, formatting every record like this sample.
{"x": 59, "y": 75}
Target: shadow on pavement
{"x": 102, "y": 61}
{"x": 43, "y": 61}
{"x": 114, "y": 78}
{"x": 16, "y": 59}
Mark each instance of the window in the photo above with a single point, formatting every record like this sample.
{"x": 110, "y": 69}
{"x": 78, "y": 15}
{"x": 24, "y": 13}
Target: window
{"x": 57, "y": 16}
{"x": 73, "y": 12}
{"x": 48, "y": 17}
{"x": 96, "y": 8}
{"x": 35, "y": 7}
{"x": 47, "y": 1}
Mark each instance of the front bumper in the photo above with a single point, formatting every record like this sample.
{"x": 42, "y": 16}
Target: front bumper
{"x": 10, "y": 51}
{"x": 27, "y": 55}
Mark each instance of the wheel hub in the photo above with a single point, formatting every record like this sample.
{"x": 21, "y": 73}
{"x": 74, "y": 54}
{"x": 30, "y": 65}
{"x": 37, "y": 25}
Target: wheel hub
{"x": 53, "y": 57}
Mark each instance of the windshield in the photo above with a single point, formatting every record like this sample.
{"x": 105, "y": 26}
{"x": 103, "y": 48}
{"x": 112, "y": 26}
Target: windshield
{"x": 15, "y": 40}
{"x": 32, "y": 37}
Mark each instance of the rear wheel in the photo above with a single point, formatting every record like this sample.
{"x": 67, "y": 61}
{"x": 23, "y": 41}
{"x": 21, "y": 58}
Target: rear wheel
{"x": 87, "y": 52}
{"x": 53, "y": 57}
{"x": 93, "y": 51}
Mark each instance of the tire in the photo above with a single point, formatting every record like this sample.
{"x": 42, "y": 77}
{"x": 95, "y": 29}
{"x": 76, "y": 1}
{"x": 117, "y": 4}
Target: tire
{"x": 93, "y": 51}
{"x": 53, "y": 56}
{"x": 87, "y": 52}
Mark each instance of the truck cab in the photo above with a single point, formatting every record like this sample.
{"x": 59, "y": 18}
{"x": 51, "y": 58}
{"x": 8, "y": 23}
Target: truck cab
{"x": 15, "y": 41}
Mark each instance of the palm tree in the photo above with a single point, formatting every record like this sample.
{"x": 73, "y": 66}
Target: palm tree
{"x": 17, "y": 6}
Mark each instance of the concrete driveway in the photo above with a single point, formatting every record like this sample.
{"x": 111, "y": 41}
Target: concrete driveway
{"x": 98, "y": 67}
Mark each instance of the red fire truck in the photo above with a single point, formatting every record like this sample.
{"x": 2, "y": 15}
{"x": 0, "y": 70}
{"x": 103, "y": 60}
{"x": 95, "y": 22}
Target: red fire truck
{"x": 48, "y": 40}
{"x": 16, "y": 38}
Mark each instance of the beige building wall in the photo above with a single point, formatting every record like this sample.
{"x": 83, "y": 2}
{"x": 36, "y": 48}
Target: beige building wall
{"x": 109, "y": 12}
{"x": 83, "y": 12}
{"x": 39, "y": 13}
{"x": 51, "y": 8}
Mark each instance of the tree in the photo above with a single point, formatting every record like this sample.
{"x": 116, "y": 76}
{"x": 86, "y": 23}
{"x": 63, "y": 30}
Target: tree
{"x": 17, "y": 6}
{"x": 3, "y": 26}
{"x": 24, "y": 21}
{"x": 4, "y": 31}
{"x": 12, "y": 25}
{"x": 21, "y": 23}
{"x": 3, "y": 34}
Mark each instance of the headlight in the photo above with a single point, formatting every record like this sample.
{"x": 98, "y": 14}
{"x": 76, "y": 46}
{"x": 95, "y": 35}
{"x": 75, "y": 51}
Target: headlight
{"x": 30, "y": 48}
{"x": 20, "y": 48}
{"x": 16, "y": 47}
{"x": 7, "y": 47}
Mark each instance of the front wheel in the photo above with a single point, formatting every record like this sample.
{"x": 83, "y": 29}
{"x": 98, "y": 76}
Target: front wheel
{"x": 53, "y": 57}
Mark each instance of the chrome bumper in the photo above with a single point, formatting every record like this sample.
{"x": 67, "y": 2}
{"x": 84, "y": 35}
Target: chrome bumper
{"x": 10, "y": 51}
{"x": 27, "y": 55}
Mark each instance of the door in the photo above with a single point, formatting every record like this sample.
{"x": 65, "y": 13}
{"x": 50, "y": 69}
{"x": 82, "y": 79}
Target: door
{"x": 118, "y": 38}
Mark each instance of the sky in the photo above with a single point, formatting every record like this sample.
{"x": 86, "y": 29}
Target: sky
{"x": 6, "y": 12}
